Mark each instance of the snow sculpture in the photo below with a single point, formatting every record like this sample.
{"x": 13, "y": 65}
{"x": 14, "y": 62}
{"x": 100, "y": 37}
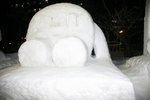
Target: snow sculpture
{"x": 146, "y": 26}
{"x": 2, "y": 56}
{"x": 53, "y": 24}
{"x": 64, "y": 35}
{"x": 148, "y": 46}
{"x": 138, "y": 70}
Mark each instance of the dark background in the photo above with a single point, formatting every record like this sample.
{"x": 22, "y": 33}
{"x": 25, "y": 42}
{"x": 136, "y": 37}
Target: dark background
{"x": 122, "y": 22}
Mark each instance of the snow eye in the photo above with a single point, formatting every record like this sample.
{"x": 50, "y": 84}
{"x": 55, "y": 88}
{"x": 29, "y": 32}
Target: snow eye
{"x": 69, "y": 20}
{"x": 72, "y": 20}
{"x": 55, "y": 22}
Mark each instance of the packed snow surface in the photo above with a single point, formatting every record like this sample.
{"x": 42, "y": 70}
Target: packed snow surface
{"x": 138, "y": 70}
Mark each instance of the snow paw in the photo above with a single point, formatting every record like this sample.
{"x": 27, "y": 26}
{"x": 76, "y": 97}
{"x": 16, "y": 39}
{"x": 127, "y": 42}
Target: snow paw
{"x": 70, "y": 51}
{"x": 35, "y": 53}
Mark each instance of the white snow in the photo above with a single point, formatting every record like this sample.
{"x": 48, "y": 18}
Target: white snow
{"x": 2, "y": 56}
{"x": 7, "y": 60}
{"x": 56, "y": 29}
{"x": 98, "y": 81}
{"x": 138, "y": 70}
{"x": 70, "y": 51}
{"x": 100, "y": 44}
{"x": 148, "y": 46}
{"x": 62, "y": 20}
{"x": 35, "y": 53}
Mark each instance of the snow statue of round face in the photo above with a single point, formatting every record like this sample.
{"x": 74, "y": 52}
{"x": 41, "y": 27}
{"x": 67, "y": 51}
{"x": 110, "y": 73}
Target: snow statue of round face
{"x": 62, "y": 20}
{"x": 61, "y": 35}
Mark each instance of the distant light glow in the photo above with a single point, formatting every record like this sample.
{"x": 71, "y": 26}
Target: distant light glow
{"x": 114, "y": 21}
{"x": 34, "y": 10}
{"x": 22, "y": 5}
{"x": 46, "y": 1}
{"x": 121, "y": 31}
{"x": 81, "y": 4}
{"x": 16, "y": 5}
{"x": 23, "y": 38}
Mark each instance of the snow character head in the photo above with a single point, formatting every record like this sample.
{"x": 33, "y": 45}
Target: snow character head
{"x": 62, "y": 34}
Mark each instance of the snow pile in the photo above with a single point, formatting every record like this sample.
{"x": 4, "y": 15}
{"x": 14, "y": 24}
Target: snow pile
{"x": 2, "y": 56}
{"x": 56, "y": 61}
{"x": 148, "y": 46}
{"x": 7, "y": 60}
{"x": 98, "y": 81}
{"x": 138, "y": 70}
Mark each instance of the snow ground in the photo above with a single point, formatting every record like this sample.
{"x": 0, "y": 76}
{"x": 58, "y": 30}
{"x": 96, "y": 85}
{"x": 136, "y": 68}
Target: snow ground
{"x": 138, "y": 71}
{"x": 7, "y": 60}
{"x": 76, "y": 76}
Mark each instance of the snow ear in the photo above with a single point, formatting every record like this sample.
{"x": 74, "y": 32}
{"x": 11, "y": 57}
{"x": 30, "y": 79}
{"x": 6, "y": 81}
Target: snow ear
{"x": 69, "y": 52}
{"x": 35, "y": 53}
{"x": 100, "y": 44}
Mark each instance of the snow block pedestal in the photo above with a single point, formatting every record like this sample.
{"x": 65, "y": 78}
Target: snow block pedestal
{"x": 100, "y": 81}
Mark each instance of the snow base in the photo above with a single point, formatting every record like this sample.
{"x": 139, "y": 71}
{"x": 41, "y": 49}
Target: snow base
{"x": 138, "y": 70}
{"x": 98, "y": 81}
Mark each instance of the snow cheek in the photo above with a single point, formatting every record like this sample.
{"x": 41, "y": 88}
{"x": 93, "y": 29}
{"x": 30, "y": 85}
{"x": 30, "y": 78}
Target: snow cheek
{"x": 70, "y": 51}
{"x": 34, "y": 53}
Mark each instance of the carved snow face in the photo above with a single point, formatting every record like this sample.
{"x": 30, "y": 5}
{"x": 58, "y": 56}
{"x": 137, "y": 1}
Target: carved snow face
{"x": 62, "y": 20}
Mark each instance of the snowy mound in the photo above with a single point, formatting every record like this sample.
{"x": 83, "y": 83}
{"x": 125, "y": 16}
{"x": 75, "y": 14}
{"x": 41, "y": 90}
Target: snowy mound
{"x": 7, "y": 60}
{"x": 99, "y": 81}
{"x": 138, "y": 70}
{"x": 56, "y": 61}
{"x": 2, "y": 56}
